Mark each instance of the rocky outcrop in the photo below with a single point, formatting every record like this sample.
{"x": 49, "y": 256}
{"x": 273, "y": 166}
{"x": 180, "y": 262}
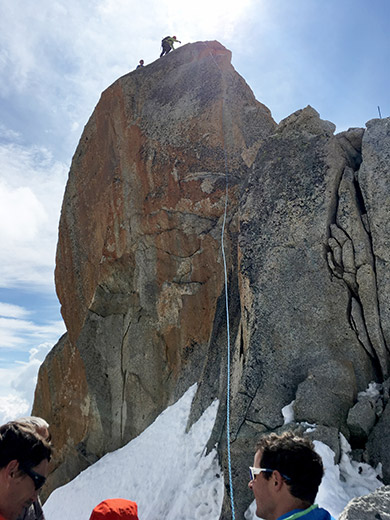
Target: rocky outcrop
{"x": 140, "y": 274}
{"x": 297, "y": 335}
{"x": 361, "y": 419}
{"x": 378, "y": 445}
{"x": 318, "y": 402}
{"x": 139, "y": 268}
{"x": 289, "y": 294}
{"x": 63, "y": 397}
{"x": 374, "y": 179}
{"x": 375, "y": 506}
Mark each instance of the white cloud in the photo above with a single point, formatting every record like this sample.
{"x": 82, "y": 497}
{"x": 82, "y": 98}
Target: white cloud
{"x": 10, "y": 333}
{"x": 23, "y": 212}
{"x": 21, "y": 333}
{"x": 66, "y": 53}
{"x": 22, "y": 379}
{"x": 31, "y": 190}
{"x": 27, "y": 34}
{"x": 7, "y": 310}
{"x": 6, "y": 133}
{"x": 26, "y": 379}
{"x": 12, "y": 406}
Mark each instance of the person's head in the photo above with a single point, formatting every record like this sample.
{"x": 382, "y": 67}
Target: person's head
{"x": 141, "y": 62}
{"x": 115, "y": 509}
{"x": 24, "y": 461}
{"x": 291, "y": 474}
{"x": 41, "y": 426}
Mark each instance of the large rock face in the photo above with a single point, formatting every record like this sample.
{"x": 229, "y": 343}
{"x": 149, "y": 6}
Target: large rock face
{"x": 139, "y": 267}
{"x": 140, "y": 273}
{"x": 309, "y": 326}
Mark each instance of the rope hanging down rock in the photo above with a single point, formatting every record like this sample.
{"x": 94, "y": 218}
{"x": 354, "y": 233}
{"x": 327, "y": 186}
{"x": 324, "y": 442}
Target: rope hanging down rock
{"x": 227, "y": 311}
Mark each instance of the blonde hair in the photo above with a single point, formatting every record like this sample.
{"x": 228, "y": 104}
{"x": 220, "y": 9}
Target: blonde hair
{"x": 38, "y": 422}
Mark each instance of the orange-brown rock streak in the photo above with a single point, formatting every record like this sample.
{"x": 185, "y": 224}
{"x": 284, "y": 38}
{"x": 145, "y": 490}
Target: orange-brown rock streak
{"x": 139, "y": 270}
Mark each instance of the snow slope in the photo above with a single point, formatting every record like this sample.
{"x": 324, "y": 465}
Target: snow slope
{"x": 168, "y": 474}
{"x": 164, "y": 470}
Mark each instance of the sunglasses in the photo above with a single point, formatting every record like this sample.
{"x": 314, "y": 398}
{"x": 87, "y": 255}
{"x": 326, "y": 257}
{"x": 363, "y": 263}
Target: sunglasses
{"x": 255, "y": 471}
{"x": 38, "y": 479}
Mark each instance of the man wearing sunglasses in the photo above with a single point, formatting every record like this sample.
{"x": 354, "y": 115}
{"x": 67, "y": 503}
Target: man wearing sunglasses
{"x": 35, "y": 512}
{"x": 24, "y": 461}
{"x": 285, "y": 478}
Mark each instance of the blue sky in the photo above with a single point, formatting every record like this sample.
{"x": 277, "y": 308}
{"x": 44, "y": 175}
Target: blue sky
{"x": 57, "y": 56}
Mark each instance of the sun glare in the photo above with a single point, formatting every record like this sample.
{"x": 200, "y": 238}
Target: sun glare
{"x": 212, "y": 19}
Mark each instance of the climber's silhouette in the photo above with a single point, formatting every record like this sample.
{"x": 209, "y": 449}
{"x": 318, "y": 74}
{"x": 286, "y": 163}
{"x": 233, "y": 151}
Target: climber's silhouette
{"x": 167, "y": 44}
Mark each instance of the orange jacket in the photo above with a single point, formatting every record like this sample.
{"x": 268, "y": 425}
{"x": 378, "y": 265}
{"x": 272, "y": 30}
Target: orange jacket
{"x": 114, "y": 509}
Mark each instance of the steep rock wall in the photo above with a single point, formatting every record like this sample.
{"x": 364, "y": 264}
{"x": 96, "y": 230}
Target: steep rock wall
{"x": 309, "y": 327}
{"x": 140, "y": 275}
{"x": 139, "y": 269}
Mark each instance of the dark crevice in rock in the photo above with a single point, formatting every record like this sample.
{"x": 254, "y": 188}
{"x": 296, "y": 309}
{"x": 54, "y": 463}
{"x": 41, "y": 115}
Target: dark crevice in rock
{"x": 195, "y": 176}
{"x": 124, "y": 379}
{"x": 244, "y": 414}
{"x": 352, "y": 260}
{"x": 182, "y": 257}
{"x": 140, "y": 384}
{"x": 182, "y": 213}
{"x": 351, "y": 143}
{"x": 359, "y": 197}
{"x": 241, "y": 342}
{"x": 366, "y": 224}
{"x": 107, "y": 302}
{"x": 89, "y": 457}
{"x": 246, "y": 394}
{"x": 187, "y": 283}
{"x": 96, "y": 313}
{"x": 338, "y": 240}
{"x": 336, "y": 266}
{"x": 367, "y": 346}
{"x": 250, "y": 421}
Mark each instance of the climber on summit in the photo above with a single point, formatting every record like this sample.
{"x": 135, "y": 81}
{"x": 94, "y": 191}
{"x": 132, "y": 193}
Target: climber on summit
{"x": 140, "y": 64}
{"x": 167, "y": 44}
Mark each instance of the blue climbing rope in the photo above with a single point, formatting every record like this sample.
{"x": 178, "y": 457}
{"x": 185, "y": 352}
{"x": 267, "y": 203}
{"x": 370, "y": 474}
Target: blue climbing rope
{"x": 227, "y": 312}
{"x": 228, "y": 345}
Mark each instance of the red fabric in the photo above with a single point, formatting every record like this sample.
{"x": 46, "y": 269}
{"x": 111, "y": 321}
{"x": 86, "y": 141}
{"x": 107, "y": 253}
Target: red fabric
{"x": 115, "y": 508}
